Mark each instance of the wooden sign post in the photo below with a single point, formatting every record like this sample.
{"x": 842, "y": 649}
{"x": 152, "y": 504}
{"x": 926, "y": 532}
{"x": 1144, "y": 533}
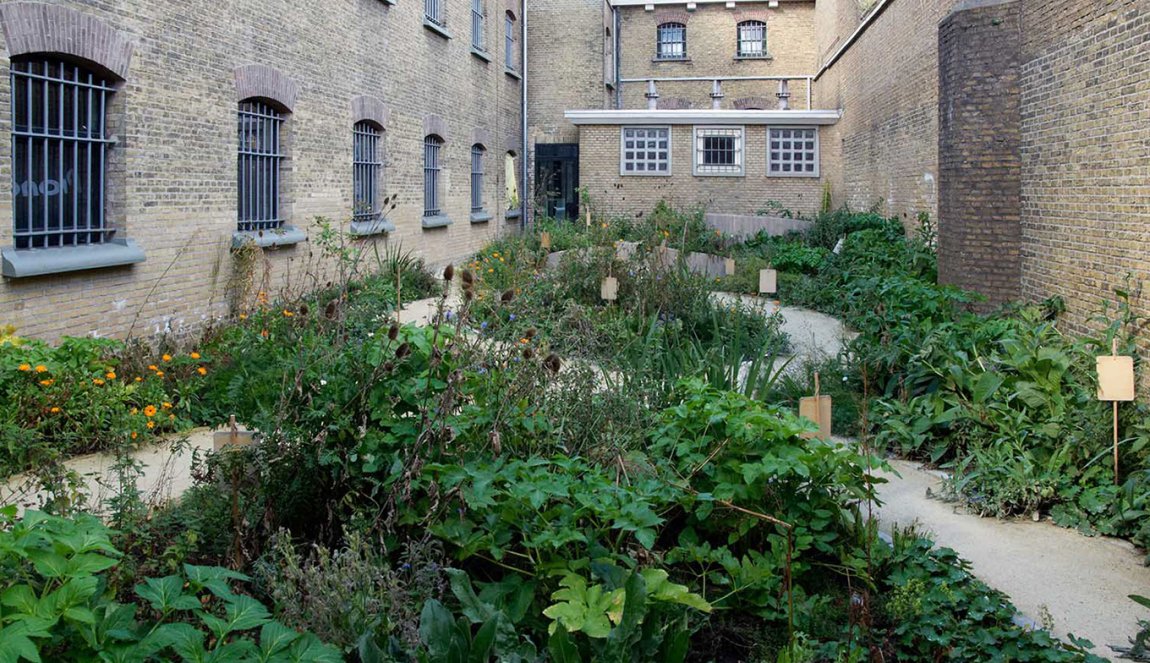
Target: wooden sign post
{"x": 1115, "y": 383}
{"x": 817, "y": 408}
{"x": 609, "y": 289}
{"x": 768, "y": 282}
{"x": 729, "y": 266}
{"x": 545, "y": 241}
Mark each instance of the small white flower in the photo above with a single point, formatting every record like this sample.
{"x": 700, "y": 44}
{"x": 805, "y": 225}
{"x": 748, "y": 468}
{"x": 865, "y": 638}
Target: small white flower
{"x": 323, "y": 383}
{"x": 371, "y": 334}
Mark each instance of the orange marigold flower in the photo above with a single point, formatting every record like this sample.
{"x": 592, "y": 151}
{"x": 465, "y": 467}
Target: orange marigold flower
{"x": 159, "y": 374}
{"x": 150, "y": 411}
{"x": 98, "y": 382}
{"x": 135, "y": 435}
{"x": 171, "y": 417}
{"x": 166, "y": 405}
{"x": 523, "y": 340}
{"x": 55, "y": 410}
{"x": 41, "y": 368}
{"x": 111, "y": 375}
{"x": 139, "y": 379}
{"x": 166, "y": 357}
{"x": 202, "y": 371}
{"x": 25, "y": 367}
{"x": 153, "y": 367}
{"x": 47, "y": 383}
{"x": 243, "y": 316}
{"x": 195, "y": 355}
{"x": 151, "y": 424}
{"x": 288, "y": 314}
{"x": 264, "y": 333}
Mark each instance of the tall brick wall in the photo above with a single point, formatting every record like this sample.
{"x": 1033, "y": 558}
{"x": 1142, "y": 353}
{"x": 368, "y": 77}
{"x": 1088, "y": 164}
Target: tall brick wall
{"x": 885, "y": 149}
{"x": 753, "y": 193}
{"x": 712, "y": 49}
{"x": 978, "y": 149}
{"x": 173, "y": 171}
{"x": 1085, "y": 86}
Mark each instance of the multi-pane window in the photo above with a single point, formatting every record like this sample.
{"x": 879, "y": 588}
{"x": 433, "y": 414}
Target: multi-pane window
{"x": 59, "y": 150}
{"x": 718, "y": 150}
{"x": 477, "y": 158}
{"x": 478, "y": 25}
{"x": 509, "y": 42}
{"x": 433, "y": 11}
{"x": 366, "y": 167}
{"x": 752, "y": 39}
{"x": 260, "y": 159}
{"x": 672, "y": 43}
{"x": 793, "y": 152}
{"x": 432, "y": 146}
{"x": 645, "y": 151}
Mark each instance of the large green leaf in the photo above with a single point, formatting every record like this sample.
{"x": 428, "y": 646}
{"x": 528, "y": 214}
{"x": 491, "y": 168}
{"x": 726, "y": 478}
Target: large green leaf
{"x": 166, "y": 594}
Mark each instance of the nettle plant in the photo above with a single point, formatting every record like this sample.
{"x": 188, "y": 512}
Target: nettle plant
{"x": 56, "y": 604}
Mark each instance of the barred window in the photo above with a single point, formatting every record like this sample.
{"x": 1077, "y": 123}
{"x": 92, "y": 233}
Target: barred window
{"x": 477, "y": 168}
{"x": 432, "y": 145}
{"x": 752, "y": 39}
{"x": 433, "y": 11}
{"x": 366, "y": 167}
{"x": 478, "y": 25}
{"x": 672, "y": 44}
{"x": 719, "y": 151}
{"x": 509, "y": 42}
{"x": 793, "y": 152}
{"x": 260, "y": 160}
{"x": 59, "y": 151}
{"x": 645, "y": 151}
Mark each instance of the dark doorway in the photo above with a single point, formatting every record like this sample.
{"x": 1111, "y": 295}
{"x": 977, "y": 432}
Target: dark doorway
{"x": 557, "y": 179}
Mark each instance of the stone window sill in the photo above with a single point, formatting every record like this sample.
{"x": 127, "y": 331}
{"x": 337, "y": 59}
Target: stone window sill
{"x": 268, "y": 239}
{"x": 369, "y": 228}
{"x": 482, "y": 55}
{"x": 513, "y": 214}
{"x": 436, "y": 28}
{"x": 768, "y": 56}
{"x": 437, "y": 221}
{"x": 389, "y": 2}
{"x": 513, "y": 74}
{"x": 21, "y": 263}
{"x": 480, "y": 217}
{"x": 672, "y": 60}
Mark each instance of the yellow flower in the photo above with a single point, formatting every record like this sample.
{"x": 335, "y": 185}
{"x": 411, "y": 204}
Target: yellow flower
{"x": 195, "y": 355}
{"x": 139, "y": 379}
{"x": 490, "y": 270}
{"x": 41, "y": 368}
{"x": 151, "y": 424}
{"x": 202, "y": 371}
{"x": 166, "y": 405}
{"x": 288, "y": 314}
{"x": 47, "y": 383}
{"x": 98, "y": 382}
{"x": 159, "y": 374}
{"x": 166, "y": 357}
{"x": 523, "y": 340}
{"x": 134, "y": 411}
{"x": 243, "y": 316}
{"x": 171, "y": 417}
{"x": 153, "y": 367}
{"x": 111, "y": 375}
{"x": 55, "y": 410}
{"x": 604, "y": 225}
{"x": 25, "y": 367}
{"x": 150, "y": 411}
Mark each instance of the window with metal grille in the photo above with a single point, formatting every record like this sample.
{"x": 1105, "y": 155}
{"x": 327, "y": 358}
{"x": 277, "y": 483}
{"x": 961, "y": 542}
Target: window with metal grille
{"x": 478, "y": 26}
{"x": 477, "y": 157}
{"x": 672, "y": 43}
{"x": 433, "y": 11}
{"x": 719, "y": 151}
{"x": 432, "y": 145}
{"x": 793, "y": 152}
{"x": 59, "y": 151}
{"x": 366, "y": 168}
{"x": 645, "y": 151}
{"x": 509, "y": 42}
{"x": 752, "y": 39}
{"x": 260, "y": 159}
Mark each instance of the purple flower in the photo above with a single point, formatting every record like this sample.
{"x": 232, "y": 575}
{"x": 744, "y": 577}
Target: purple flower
{"x": 511, "y": 317}
{"x": 483, "y": 325}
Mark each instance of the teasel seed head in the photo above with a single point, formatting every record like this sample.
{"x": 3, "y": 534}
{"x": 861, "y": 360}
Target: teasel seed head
{"x": 402, "y": 351}
{"x": 449, "y": 273}
{"x": 552, "y": 363}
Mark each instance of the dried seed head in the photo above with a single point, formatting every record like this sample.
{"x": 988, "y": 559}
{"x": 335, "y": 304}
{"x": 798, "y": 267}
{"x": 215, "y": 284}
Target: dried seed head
{"x": 449, "y": 273}
{"x": 507, "y": 296}
{"x": 303, "y": 309}
{"x": 468, "y": 277}
{"x": 552, "y": 363}
{"x": 393, "y": 332}
{"x": 388, "y": 367}
{"x": 402, "y": 351}
{"x": 528, "y": 353}
{"x": 496, "y": 442}
{"x": 330, "y": 309}
{"x": 530, "y": 334}
{"x": 468, "y": 295}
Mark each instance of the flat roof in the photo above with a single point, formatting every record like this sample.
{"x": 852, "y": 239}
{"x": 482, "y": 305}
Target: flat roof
{"x": 706, "y": 116}
{"x": 641, "y": 3}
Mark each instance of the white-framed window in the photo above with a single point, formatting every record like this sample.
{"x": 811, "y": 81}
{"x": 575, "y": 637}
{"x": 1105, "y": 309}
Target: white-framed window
{"x": 672, "y": 42}
{"x": 645, "y": 151}
{"x": 793, "y": 152}
{"x": 719, "y": 151}
{"x": 752, "y": 39}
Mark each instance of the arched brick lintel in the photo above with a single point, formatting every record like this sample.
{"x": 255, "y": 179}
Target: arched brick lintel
{"x": 671, "y": 16}
{"x": 761, "y": 103}
{"x": 511, "y": 7}
{"x": 514, "y": 145}
{"x": 258, "y": 80}
{"x": 34, "y": 27}
{"x": 748, "y": 14}
{"x": 433, "y": 124}
{"x": 366, "y": 108}
{"x": 481, "y": 136}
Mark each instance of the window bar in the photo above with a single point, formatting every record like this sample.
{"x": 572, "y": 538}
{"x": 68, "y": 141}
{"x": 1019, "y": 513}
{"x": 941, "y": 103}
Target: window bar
{"x": 44, "y": 155}
{"x": 88, "y": 168}
{"x": 28, "y": 223}
{"x": 99, "y": 220}
{"x": 75, "y": 147}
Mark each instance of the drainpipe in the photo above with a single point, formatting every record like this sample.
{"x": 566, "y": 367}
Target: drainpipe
{"x": 523, "y": 111}
{"x": 618, "y": 68}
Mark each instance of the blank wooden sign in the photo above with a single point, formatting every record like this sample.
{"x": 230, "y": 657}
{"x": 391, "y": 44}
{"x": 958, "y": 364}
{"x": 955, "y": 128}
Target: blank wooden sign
{"x": 609, "y": 289}
{"x": 1115, "y": 378}
{"x": 729, "y": 266}
{"x": 545, "y": 240}
{"x": 768, "y": 281}
{"x": 818, "y": 410}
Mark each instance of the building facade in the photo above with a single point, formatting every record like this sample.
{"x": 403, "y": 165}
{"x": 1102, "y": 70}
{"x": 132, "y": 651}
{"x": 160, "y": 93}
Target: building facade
{"x": 150, "y": 137}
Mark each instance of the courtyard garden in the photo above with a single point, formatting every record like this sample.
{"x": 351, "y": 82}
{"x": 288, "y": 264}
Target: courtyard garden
{"x": 543, "y": 474}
